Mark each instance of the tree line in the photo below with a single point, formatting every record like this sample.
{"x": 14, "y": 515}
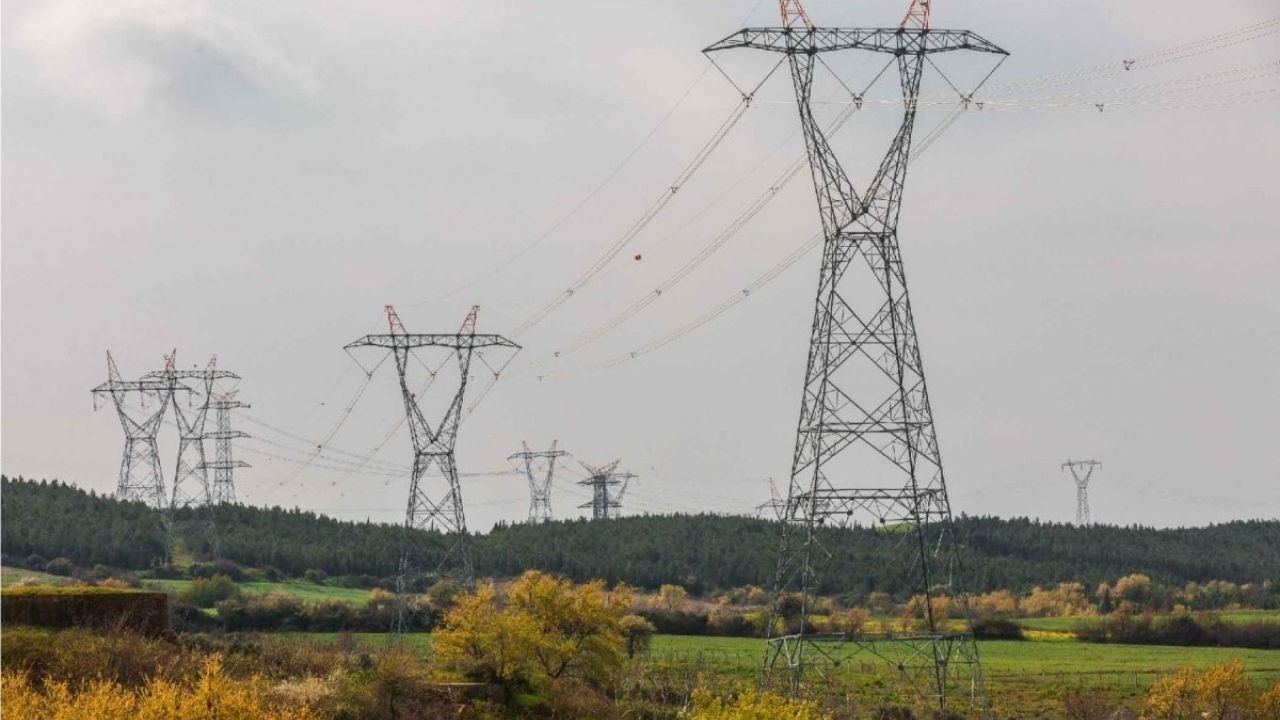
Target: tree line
{"x": 43, "y": 521}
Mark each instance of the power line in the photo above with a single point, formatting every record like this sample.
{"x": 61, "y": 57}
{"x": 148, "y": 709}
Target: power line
{"x": 573, "y": 211}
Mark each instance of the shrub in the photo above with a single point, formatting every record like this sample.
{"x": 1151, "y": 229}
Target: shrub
{"x": 270, "y": 574}
{"x": 1182, "y": 629}
{"x": 443, "y": 594}
{"x": 213, "y": 694}
{"x": 549, "y": 634}
{"x": 228, "y": 568}
{"x": 1082, "y": 705}
{"x": 672, "y": 596}
{"x": 35, "y": 561}
{"x": 997, "y": 629}
{"x": 357, "y": 581}
{"x": 60, "y": 566}
{"x": 638, "y": 633}
{"x": 166, "y": 572}
{"x": 730, "y": 623}
{"x": 188, "y": 618}
{"x": 207, "y": 592}
{"x": 676, "y": 622}
{"x": 270, "y": 611}
{"x": 331, "y": 616}
{"x": 751, "y": 704}
{"x": 1219, "y": 692}
{"x": 392, "y": 684}
{"x": 316, "y": 576}
{"x": 76, "y": 656}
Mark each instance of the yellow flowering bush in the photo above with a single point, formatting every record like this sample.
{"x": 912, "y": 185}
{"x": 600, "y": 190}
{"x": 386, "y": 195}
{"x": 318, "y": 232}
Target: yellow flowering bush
{"x": 212, "y": 696}
{"x": 1220, "y": 692}
{"x": 751, "y": 704}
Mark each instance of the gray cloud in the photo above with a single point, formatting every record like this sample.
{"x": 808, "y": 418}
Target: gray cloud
{"x": 124, "y": 56}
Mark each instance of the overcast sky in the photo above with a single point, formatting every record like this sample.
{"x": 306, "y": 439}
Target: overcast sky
{"x": 257, "y": 180}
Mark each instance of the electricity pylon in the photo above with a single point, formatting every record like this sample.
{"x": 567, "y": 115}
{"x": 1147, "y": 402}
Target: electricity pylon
{"x": 865, "y": 445}
{"x": 1081, "y": 472}
{"x": 603, "y": 481}
{"x": 224, "y": 464}
{"x": 191, "y": 479}
{"x": 539, "y": 485}
{"x": 776, "y": 504}
{"x": 191, "y": 475}
{"x": 141, "y": 477}
{"x": 435, "y": 509}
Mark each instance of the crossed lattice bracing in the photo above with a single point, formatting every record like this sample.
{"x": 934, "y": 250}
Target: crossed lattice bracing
{"x": 608, "y": 486}
{"x": 539, "y": 468}
{"x": 141, "y": 476}
{"x": 435, "y": 494}
{"x": 191, "y": 478}
{"x": 224, "y": 464}
{"x": 866, "y": 453}
{"x": 1082, "y": 472}
{"x": 191, "y": 499}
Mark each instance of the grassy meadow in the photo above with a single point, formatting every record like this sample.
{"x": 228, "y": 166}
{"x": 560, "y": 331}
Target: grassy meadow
{"x": 302, "y": 589}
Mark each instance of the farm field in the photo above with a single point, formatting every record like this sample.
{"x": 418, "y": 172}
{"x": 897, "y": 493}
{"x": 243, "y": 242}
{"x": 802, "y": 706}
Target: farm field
{"x": 11, "y": 575}
{"x": 1024, "y": 678}
{"x": 302, "y": 589}
{"x": 1072, "y": 622}
{"x": 999, "y": 657}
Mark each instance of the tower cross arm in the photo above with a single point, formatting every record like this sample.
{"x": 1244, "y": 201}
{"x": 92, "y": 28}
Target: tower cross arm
{"x": 149, "y": 385}
{"x": 894, "y": 41}
{"x": 407, "y": 340}
{"x": 192, "y": 375}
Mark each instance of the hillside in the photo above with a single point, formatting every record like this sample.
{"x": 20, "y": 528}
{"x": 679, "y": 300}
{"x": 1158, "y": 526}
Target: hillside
{"x": 703, "y": 552}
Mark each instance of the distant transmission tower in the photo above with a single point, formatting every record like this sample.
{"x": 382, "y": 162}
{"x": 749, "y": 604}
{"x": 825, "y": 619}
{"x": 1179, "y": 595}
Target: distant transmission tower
{"x": 604, "y": 481}
{"x": 435, "y": 509}
{"x": 539, "y": 484}
{"x": 865, "y": 446}
{"x": 191, "y": 476}
{"x": 1081, "y": 472}
{"x": 141, "y": 477}
{"x": 224, "y": 464}
{"x": 776, "y": 505}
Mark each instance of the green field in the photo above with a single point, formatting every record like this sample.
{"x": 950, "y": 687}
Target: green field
{"x": 1013, "y": 657}
{"x": 308, "y": 591}
{"x": 1006, "y": 658}
{"x": 11, "y": 575}
{"x": 1071, "y": 623}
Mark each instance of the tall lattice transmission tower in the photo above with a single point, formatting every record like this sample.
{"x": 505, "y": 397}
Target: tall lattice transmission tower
{"x": 607, "y": 488}
{"x": 434, "y": 504}
{"x": 191, "y": 500}
{"x": 865, "y": 451}
{"x": 539, "y": 479}
{"x": 191, "y": 477}
{"x": 1082, "y": 471}
{"x": 224, "y": 463}
{"x": 141, "y": 477}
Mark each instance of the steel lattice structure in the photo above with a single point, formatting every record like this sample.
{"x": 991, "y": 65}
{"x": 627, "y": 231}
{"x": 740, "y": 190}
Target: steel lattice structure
{"x": 224, "y": 463}
{"x": 437, "y": 509}
{"x": 865, "y": 444}
{"x": 603, "y": 481}
{"x": 539, "y": 485}
{"x": 141, "y": 476}
{"x": 191, "y": 478}
{"x": 1082, "y": 471}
